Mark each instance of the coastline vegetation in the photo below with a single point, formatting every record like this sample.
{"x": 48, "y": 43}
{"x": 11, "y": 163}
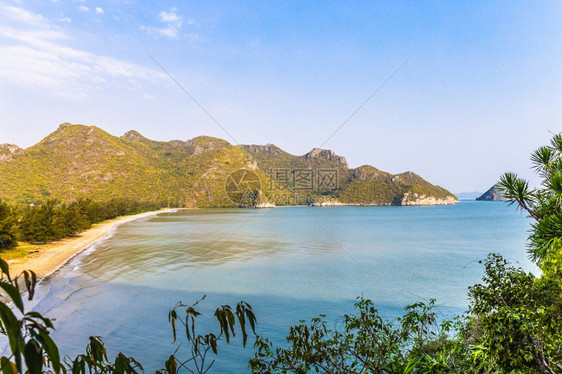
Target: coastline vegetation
{"x": 513, "y": 323}
{"x": 54, "y": 220}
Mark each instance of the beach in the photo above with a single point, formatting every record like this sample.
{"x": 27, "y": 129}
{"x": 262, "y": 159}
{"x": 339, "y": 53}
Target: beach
{"x": 51, "y": 256}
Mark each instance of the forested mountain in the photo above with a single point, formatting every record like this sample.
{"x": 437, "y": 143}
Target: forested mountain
{"x": 85, "y": 161}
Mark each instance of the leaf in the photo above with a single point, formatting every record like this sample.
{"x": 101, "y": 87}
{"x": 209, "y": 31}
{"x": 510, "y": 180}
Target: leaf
{"x": 173, "y": 323}
{"x": 213, "y": 343}
{"x": 30, "y": 284}
{"x": 51, "y": 350}
{"x": 36, "y": 315}
{"x": 14, "y": 294}
{"x": 171, "y": 365}
{"x": 231, "y": 320}
{"x": 8, "y": 367}
{"x": 11, "y": 328}
{"x": 33, "y": 357}
{"x": 119, "y": 365}
{"x": 220, "y": 315}
{"x": 5, "y": 268}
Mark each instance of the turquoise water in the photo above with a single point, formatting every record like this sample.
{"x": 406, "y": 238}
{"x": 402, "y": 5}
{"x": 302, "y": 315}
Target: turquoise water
{"x": 288, "y": 263}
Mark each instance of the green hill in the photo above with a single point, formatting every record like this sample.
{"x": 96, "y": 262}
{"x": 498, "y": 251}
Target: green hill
{"x": 85, "y": 161}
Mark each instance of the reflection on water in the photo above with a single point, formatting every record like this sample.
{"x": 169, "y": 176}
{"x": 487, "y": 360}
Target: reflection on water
{"x": 279, "y": 260}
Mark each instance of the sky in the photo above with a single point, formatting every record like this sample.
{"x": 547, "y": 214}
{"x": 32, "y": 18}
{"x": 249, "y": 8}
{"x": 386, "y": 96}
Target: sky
{"x": 458, "y": 92}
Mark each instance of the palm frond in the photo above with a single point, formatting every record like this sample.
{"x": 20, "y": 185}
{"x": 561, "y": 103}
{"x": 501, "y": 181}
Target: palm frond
{"x": 556, "y": 143}
{"x": 542, "y": 159}
{"x": 516, "y": 189}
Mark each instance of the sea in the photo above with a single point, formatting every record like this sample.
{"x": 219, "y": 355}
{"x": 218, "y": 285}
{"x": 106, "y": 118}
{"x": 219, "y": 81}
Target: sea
{"x": 288, "y": 263}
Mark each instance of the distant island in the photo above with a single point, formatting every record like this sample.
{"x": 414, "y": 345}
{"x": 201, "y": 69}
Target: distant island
{"x": 493, "y": 194}
{"x": 78, "y": 161}
{"x": 468, "y": 195}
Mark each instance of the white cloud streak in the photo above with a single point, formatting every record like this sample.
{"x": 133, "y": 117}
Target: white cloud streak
{"x": 22, "y": 15}
{"x": 35, "y": 55}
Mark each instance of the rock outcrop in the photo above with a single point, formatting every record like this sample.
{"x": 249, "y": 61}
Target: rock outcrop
{"x": 414, "y": 198}
{"x": 326, "y": 154}
{"x": 9, "y": 151}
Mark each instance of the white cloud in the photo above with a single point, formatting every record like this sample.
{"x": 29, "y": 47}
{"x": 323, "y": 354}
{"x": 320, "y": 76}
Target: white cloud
{"x": 173, "y": 23}
{"x": 83, "y": 8}
{"x": 194, "y": 37}
{"x": 35, "y": 55}
{"x": 169, "y": 17}
{"x": 22, "y": 15}
{"x": 99, "y": 10}
{"x": 170, "y": 31}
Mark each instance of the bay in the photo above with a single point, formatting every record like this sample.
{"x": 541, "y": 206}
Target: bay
{"x": 289, "y": 263}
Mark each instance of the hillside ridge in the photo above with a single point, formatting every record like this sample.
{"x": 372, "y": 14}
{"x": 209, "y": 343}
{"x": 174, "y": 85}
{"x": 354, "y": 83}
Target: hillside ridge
{"x": 77, "y": 161}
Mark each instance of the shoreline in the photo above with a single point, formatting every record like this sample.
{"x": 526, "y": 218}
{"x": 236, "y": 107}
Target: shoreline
{"x": 50, "y": 257}
{"x": 54, "y": 255}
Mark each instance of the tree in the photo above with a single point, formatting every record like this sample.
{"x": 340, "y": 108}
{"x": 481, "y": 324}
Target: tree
{"x": 7, "y": 226}
{"x": 36, "y": 223}
{"x": 543, "y": 204}
{"x": 366, "y": 343}
{"x": 515, "y": 320}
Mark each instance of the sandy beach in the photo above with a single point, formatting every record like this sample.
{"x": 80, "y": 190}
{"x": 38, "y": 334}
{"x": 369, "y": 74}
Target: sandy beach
{"x": 51, "y": 256}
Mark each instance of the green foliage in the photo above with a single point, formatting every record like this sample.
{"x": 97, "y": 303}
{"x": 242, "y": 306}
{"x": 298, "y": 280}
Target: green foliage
{"x": 95, "y": 361}
{"x": 51, "y": 220}
{"x": 515, "y": 319}
{"x": 39, "y": 223}
{"x": 200, "y": 345}
{"x": 375, "y": 192}
{"x": 387, "y": 189}
{"x": 27, "y": 332}
{"x": 365, "y": 343}
{"x": 8, "y": 219}
{"x": 30, "y": 344}
{"x": 543, "y": 204}
{"x": 513, "y": 325}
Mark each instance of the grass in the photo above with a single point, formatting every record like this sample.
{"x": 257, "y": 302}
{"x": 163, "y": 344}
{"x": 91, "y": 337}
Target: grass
{"x": 22, "y": 250}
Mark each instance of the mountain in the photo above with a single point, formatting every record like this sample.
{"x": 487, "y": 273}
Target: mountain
{"x": 364, "y": 185}
{"x": 84, "y": 161}
{"x": 493, "y": 194}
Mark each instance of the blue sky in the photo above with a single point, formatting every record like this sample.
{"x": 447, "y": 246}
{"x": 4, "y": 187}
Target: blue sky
{"x": 482, "y": 89}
